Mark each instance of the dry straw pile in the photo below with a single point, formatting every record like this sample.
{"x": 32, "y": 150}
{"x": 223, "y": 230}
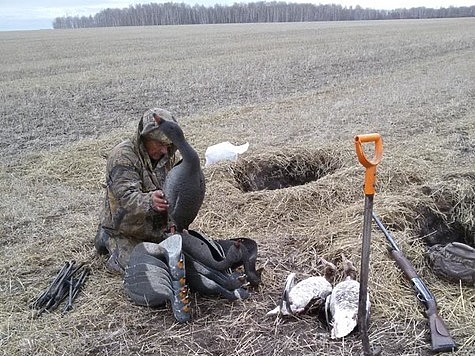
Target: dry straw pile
{"x": 297, "y": 191}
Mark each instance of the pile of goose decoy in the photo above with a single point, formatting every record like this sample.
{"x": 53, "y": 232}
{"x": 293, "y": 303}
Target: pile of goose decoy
{"x": 156, "y": 273}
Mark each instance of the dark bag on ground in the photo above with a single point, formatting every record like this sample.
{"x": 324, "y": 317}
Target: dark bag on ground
{"x": 454, "y": 262}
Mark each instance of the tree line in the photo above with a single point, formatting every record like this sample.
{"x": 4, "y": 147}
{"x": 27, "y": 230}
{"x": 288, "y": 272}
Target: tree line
{"x": 181, "y": 14}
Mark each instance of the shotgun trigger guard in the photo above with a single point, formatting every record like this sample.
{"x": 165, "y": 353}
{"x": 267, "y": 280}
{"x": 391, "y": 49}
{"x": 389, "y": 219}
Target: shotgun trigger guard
{"x": 420, "y": 297}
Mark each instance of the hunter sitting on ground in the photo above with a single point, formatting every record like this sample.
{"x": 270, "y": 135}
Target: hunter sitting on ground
{"x": 134, "y": 206}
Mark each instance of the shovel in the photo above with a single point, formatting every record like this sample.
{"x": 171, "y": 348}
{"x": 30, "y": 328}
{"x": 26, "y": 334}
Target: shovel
{"x": 370, "y": 178}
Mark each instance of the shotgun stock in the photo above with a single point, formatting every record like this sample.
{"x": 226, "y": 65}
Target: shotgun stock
{"x": 440, "y": 336}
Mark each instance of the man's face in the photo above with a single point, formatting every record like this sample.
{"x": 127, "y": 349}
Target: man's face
{"x": 156, "y": 149}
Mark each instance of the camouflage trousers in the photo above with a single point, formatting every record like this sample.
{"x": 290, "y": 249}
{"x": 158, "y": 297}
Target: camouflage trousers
{"x": 118, "y": 248}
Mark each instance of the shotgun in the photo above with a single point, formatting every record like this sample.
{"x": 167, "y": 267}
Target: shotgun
{"x": 440, "y": 337}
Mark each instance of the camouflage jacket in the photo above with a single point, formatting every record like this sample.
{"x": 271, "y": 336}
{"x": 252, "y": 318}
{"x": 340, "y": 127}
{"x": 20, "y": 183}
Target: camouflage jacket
{"x": 130, "y": 180}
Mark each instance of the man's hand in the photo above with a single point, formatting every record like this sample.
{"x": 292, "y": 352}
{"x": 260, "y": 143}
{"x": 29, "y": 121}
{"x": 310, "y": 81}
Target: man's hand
{"x": 159, "y": 203}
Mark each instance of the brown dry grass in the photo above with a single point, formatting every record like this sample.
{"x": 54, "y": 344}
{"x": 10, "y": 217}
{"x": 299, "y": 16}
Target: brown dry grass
{"x": 298, "y": 93}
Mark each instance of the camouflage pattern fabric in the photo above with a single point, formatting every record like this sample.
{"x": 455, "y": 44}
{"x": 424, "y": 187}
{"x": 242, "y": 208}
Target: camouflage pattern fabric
{"x": 150, "y": 127}
{"x": 454, "y": 262}
{"x": 131, "y": 177}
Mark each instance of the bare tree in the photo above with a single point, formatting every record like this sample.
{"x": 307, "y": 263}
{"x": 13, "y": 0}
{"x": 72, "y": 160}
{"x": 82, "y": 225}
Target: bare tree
{"x": 179, "y": 14}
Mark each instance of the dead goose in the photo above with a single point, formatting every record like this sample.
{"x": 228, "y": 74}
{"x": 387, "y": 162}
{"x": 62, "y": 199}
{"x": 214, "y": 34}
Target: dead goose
{"x": 296, "y": 298}
{"x": 184, "y": 185}
{"x": 342, "y": 303}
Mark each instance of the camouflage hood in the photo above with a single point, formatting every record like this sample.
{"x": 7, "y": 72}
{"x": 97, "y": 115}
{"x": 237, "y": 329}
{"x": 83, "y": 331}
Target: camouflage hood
{"x": 148, "y": 127}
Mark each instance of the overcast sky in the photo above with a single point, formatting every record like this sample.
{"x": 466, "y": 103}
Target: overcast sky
{"x": 39, "y": 14}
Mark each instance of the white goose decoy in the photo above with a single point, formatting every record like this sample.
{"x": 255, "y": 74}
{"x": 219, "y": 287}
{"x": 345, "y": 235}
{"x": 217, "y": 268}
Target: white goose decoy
{"x": 224, "y": 151}
{"x": 342, "y": 303}
{"x": 296, "y": 298}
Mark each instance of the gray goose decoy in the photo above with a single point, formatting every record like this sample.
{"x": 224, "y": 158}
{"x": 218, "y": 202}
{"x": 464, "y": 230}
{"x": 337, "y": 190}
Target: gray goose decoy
{"x": 209, "y": 253}
{"x": 248, "y": 252}
{"x": 207, "y": 282}
{"x": 155, "y": 274}
{"x": 208, "y": 267}
{"x": 184, "y": 185}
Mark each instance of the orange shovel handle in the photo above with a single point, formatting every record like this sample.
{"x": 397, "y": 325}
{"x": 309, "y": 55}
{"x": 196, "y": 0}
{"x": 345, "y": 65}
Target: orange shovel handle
{"x": 370, "y": 165}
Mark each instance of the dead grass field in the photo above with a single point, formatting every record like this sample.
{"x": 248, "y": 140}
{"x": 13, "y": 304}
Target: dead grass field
{"x": 298, "y": 93}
